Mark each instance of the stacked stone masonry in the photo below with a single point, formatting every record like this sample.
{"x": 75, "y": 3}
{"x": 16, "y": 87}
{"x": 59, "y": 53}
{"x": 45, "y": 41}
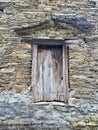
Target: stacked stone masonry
{"x": 52, "y": 19}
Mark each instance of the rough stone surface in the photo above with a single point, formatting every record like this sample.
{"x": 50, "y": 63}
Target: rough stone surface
{"x": 17, "y": 110}
{"x": 54, "y": 19}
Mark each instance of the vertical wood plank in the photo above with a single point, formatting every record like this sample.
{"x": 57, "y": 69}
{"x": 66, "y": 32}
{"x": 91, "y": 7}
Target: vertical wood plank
{"x": 47, "y": 75}
{"x": 65, "y": 72}
{"x": 39, "y": 77}
{"x": 34, "y": 72}
{"x": 41, "y": 89}
{"x": 57, "y": 74}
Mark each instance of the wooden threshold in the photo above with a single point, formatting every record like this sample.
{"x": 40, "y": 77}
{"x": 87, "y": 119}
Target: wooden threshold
{"x": 50, "y": 103}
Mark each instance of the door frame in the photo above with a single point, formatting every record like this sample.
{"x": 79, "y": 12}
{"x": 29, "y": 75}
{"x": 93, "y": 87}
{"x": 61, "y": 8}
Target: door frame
{"x": 65, "y": 43}
{"x": 65, "y": 60}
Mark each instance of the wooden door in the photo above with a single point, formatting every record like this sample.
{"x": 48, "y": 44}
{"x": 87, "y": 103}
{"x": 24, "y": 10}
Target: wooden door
{"x": 49, "y": 82}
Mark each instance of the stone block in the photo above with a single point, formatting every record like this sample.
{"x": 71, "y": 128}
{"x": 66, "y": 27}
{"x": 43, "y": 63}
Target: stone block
{"x": 19, "y": 88}
{"x": 7, "y": 70}
{"x": 48, "y": 8}
{"x": 21, "y": 75}
{"x": 28, "y": 46}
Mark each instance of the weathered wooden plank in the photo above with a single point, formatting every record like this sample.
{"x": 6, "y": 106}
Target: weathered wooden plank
{"x": 57, "y": 70}
{"x": 52, "y": 42}
{"x": 50, "y": 103}
{"x": 49, "y": 72}
{"x": 43, "y": 70}
{"x": 34, "y": 72}
{"x": 49, "y": 42}
{"x": 47, "y": 75}
{"x": 72, "y": 41}
{"x": 39, "y": 77}
{"x": 65, "y": 72}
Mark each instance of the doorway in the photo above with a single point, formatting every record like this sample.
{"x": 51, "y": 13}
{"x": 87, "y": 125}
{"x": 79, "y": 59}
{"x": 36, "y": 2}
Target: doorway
{"x": 49, "y": 72}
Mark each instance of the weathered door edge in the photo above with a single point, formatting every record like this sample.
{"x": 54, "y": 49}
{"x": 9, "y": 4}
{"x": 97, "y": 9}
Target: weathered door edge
{"x": 34, "y": 71}
{"x": 65, "y": 71}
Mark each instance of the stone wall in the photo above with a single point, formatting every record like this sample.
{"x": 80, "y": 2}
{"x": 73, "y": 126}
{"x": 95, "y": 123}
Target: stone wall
{"x": 54, "y": 19}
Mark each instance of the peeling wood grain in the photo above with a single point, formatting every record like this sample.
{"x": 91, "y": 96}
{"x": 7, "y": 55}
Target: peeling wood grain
{"x": 34, "y": 72}
{"x": 65, "y": 72}
{"x": 49, "y": 72}
{"x": 49, "y": 75}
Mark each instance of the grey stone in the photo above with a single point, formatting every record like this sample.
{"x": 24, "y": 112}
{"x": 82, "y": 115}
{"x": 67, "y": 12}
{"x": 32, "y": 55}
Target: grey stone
{"x": 80, "y": 23}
